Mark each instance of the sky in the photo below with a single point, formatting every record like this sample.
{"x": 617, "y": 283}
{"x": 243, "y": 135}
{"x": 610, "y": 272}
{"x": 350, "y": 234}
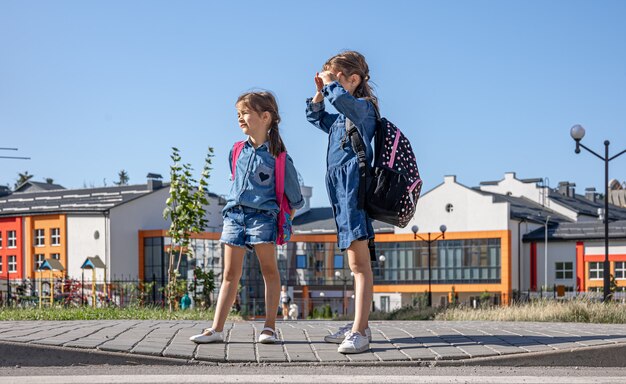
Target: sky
{"x": 479, "y": 87}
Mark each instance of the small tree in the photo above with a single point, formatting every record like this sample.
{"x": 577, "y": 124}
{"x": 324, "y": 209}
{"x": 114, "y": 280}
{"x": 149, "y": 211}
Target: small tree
{"x": 185, "y": 209}
{"x": 207, "y": 279}
{"x": 123, "y": 178}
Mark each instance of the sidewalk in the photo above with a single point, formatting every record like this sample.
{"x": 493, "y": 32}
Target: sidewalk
{"x": 302, "y": 341}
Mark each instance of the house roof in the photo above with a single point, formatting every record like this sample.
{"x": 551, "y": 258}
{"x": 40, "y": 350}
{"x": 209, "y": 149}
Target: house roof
{"x": 584, "y": 206}
{"x": 36, "y": 186}
{"x": 586, "y": 230}
{"x": 522, "y": 208}
{"x": 70, "y": 201}
{"x": 321, "y": 221}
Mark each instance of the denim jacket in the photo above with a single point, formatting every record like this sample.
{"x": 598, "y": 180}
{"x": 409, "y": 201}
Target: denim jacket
{"x": 360, "y": 111}
{"x": 254, "y": 184}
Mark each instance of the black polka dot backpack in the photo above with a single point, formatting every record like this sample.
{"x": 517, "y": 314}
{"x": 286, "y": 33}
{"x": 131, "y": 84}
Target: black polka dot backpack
{"x": 389, "y": 188}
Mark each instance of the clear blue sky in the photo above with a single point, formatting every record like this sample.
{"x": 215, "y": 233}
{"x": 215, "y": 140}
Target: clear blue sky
{"x": 480, "y": 87}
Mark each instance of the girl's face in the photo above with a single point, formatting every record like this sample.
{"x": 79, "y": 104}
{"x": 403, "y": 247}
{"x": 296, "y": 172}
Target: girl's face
{"x": 349, "y": 83}
{"x": 251, "y": 122}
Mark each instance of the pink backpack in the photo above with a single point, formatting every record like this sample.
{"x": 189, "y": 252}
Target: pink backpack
{"x": 284, "y": 215}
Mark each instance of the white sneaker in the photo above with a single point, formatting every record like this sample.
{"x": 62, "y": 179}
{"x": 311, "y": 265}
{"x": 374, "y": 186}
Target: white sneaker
{"x": 268, "y": 339}
{"x": 213, "y": 337}
{"x": 343, "y": 332}
{"x": 354, "y": 343}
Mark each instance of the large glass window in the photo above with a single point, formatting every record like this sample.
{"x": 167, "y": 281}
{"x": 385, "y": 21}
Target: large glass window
{"x": 11, "y": 239}
{"x": 620, "y": 270}
{"x": 56, "y": 256}
{"x": 451, "y": 261}
{"x": 564, "y": 270}
{"x": 12, "y": 262}
{"x": 596, "y": 270}
{"x": 55, "y": 236}
{"x": 40, "y": 237}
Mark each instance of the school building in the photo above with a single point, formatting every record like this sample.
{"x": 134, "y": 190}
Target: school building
{"x": 494, "y": 244}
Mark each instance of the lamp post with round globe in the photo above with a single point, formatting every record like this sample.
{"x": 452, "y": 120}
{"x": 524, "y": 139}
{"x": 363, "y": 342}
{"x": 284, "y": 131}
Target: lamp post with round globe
{"x": 578, "y": 132}
{"x": 345, "y": 279}
{"x": 429, "y": 241}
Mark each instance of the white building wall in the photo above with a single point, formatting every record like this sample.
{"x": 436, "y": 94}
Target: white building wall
{"x": 395, "y": 301}
{"x": 597, "y": 247}
{"x": 144, "y": 213}
{"x": 517, "y": 188}
{"x": 82, "y": 243}
{"x": 557, "y": 252}
{"x": 471, "y": 210}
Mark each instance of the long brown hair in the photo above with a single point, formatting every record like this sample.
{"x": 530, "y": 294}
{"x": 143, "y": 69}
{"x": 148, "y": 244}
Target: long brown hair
{"x": 350, "y": 63}
{"x": 263, "y": 101}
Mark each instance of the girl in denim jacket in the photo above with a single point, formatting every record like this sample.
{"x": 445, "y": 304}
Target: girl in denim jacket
{"x": 250, "y": 214}
{"x": 344, "y": 83}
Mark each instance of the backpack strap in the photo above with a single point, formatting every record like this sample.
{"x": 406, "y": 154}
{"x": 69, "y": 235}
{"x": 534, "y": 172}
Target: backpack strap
{"x": 236, "y": 151}
{"x": 279, "y": 177}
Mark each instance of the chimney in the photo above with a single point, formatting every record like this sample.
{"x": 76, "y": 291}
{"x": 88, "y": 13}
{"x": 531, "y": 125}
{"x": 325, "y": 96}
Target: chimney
{"x": 154, "y": 181}
{"x": 590, "y": 194}
{"x": 563, "y": 188}
{"x": 571, "y": 192}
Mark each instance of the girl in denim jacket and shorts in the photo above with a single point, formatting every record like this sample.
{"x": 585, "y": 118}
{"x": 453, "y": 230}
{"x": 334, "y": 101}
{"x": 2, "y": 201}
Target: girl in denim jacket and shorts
{"x": 250, "y": 214}
{"x": 344, "y": 83}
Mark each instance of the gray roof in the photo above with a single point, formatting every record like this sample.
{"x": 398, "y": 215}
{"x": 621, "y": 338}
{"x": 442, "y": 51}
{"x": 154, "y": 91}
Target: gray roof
{"x": 70, "y": 201}
{"x": 522, "y": 208}
{"x": 321, "y": 221}
{"x": 586, "y": 207}
{"x": 36, "y": 186}
{"x": 590, "y": 230}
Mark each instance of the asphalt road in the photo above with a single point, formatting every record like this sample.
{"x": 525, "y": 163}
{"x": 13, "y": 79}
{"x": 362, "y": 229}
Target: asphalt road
{"x": 237, "y": 373}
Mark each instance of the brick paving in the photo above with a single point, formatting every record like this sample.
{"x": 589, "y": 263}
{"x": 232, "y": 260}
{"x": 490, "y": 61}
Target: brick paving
{"x": 302, "y": 341}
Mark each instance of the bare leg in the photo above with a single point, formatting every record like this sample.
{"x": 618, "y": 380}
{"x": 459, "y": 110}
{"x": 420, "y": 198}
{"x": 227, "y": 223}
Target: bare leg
{"x": 233, "y": 264}
{"x": 269, "y": 269}
{"x": 359, "y": 259}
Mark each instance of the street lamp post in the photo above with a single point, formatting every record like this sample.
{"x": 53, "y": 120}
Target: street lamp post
{"x": 429, "y": 241}
{"x": 545, "y": 265}
{"x": 345, "y": 279}
{"x": 578, "y": 132}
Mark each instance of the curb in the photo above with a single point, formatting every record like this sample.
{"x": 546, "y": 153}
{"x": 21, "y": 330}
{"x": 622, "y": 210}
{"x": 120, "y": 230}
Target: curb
{"x": 23, "y": 354}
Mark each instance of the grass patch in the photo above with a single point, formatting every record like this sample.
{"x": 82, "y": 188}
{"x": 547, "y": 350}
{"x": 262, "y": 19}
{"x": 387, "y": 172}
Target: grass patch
{"x": 88, "y": 313}
{"x": 579, "y": 311}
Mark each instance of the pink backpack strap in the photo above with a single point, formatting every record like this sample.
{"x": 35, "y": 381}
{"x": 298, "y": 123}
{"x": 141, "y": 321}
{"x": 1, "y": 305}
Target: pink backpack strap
{"x": 279, "y": 175}
{"x": 284, "y": 224}
{"x": 236, "y": 151}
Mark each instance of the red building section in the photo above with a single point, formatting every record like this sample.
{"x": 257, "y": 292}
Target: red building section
{"x": 11, "y": 249}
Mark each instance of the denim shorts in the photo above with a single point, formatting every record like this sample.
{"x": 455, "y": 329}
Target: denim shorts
{"x": 245, "y": 226}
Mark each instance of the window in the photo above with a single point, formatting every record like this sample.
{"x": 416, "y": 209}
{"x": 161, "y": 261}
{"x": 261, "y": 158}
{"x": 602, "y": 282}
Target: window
{"x": 338, "y": 262}
{"x": 564, "y": 270}
{"x": 40, "y": 237}
{"x": 55, "y": 236}
{"x": 12, "y": 264}
{"x": 11, "y": 239}
{"x": 0, "y": 239}
{"x": 57, "y": 256}
{"x": 301, "y": 261}
{"x": 620, "y": 270}
{"x": 0, "y": 264}
{"x": 385, "y": 303}
{"x": 39, "y": 260}
{"x": 596, "y": 270}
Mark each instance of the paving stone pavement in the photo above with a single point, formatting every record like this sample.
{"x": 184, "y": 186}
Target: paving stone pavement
{"x": 303, "y": 341}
